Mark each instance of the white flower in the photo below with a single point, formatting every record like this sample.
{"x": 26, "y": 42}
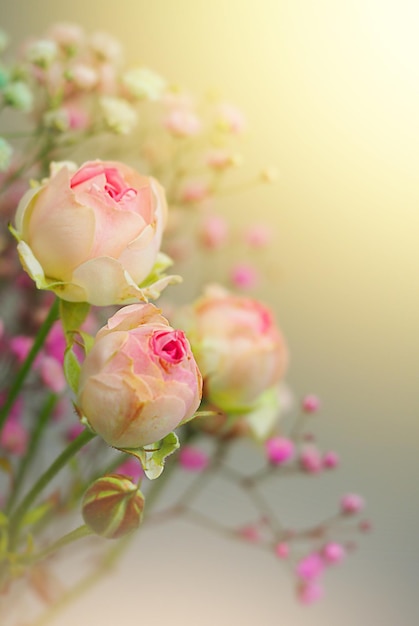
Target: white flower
{"x": 144, "y": 83}
{"x": 42, "y": 52}
{"x": 119, "y": 115}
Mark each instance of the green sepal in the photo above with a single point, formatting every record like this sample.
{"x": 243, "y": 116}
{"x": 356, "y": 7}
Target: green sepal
{"x": 163, "y": 262}
{"x": 153, "y": 457}
{"x": 73, "y": 314}
{"x": 72, "y": 369}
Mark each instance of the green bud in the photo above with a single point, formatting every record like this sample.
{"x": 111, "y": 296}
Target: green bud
{"x": 112, "y": 506}
{"x": 18, "y": 95}
{"x": 6, "y": 151}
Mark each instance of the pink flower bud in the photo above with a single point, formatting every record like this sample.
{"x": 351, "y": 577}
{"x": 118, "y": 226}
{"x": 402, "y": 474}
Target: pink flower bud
{"x": 244, "y": 276}
{"x": 282, "y": 550}
{"x": 112, "y": 506}
{"x": 330, "y": 460}
{"x": 351, "y": 504}
{"x": 250, "y": 533}
{"x": 333, "y": 553}
{"x": 279, "y": 450}
{"x": 214, "y": 231}
{"x": 310, "y": 404}
{"x": 311, "y": 460}
{"x": 182, "y": 123}
{"x": 309, "y": 592}
{"x": 193, "y": 459}
{"x": 258, "y": 236}
{"x": 310, "y": 567}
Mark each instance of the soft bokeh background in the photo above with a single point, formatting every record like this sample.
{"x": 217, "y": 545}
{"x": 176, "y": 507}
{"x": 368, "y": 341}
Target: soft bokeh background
{"x": 331, "y": 91}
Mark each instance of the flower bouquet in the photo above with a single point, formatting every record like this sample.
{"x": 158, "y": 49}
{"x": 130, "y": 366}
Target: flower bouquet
{"x": 110, "y": 185}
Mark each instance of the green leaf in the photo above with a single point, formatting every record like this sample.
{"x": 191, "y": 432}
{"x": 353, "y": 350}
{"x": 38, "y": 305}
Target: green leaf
{"x": 152, "y": 457}
{"x": 72, "y": 369}
{"x": 73, "y": 314}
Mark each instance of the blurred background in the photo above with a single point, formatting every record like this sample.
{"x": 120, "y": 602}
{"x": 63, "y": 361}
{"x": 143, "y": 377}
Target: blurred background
{"x": 331, "y": 92}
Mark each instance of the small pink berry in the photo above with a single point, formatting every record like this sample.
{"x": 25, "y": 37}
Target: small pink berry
{"x": 214, "y": 231}
{"x": 193, "y": 459}
{"x": 310, "y": 404}
{"x": 310, "y": 567}
{"x": 244, "y": 276}
{"x": 310, "y": 592}
{"x": 330, "y": 460}
{"x": 282, "y": 550}
{"x": 351, "y": 503}
{"x": 311, "y": 460}
{"x": 333, "y": 553}
{"x": 258, "y": 236}
{"x": 250, "y": 533}
{"x": 365, "y": 526}
{"x": 279, "y": 450}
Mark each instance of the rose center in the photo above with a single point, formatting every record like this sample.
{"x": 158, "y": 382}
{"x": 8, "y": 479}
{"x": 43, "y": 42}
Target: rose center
{"x": 170, "y": 345}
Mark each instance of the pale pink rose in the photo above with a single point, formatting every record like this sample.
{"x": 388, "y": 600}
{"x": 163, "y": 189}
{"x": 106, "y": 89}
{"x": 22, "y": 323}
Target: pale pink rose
{"x": 92, "y": 234}
{"x": 83, "y": 76}
{"x": 140, "y": 380}
{"x": 239, "y": 349}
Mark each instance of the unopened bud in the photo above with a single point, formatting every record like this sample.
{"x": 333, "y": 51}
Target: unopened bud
{"x": 113, "y": 506}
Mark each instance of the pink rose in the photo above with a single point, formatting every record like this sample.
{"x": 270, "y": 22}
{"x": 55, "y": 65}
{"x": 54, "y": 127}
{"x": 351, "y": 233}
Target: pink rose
{"x": 92, "y": 234}
{"x": 238, "y": 347}
{"x": 140, "y": 380}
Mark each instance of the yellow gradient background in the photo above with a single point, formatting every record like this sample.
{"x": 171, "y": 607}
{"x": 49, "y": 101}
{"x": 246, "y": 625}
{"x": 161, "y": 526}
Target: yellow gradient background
{"x": 331, "y": 92}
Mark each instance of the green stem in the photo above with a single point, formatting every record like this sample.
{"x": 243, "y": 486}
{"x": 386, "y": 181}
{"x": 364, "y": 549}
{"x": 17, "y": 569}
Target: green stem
{"x": 39, "y": 427}
{"x": 74, "y": 535}
{"x": 24, "y": 370}
{"x": 43, "y": 481}
{"x": 114, "y": 553}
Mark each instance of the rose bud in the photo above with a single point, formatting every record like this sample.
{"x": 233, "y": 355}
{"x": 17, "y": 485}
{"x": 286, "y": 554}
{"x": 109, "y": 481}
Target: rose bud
{"x": 140, "y": 379}
{"x": 238, "y": 347}
{"x": 112, "y": 506}
{"x": 91, "y": 234}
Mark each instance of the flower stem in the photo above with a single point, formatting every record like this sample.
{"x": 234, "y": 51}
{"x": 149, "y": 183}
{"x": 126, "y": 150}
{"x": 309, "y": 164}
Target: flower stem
{"x": 43, "y": 481}
{"x": 74, "y": 535}
{"x": 38, "y": 429}
{"x": 24, "y": 370}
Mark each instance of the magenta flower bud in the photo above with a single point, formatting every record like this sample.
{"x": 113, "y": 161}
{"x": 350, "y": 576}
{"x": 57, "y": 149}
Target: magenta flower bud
{"x": 330, "y": 460}
{"x": 351, "y": 504}
{"x": 309, "y": 592}
{"x": 310, "y": 404}
{"x": 112, "y": 506}
{"x": 333, "y": 553}
{"x": 282, "y": 550}
{"x": 311, "y": 460}
{"x": 310, "y": 567}
{"x": 279, "y": 450}
{"x": 193, "y": 459}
